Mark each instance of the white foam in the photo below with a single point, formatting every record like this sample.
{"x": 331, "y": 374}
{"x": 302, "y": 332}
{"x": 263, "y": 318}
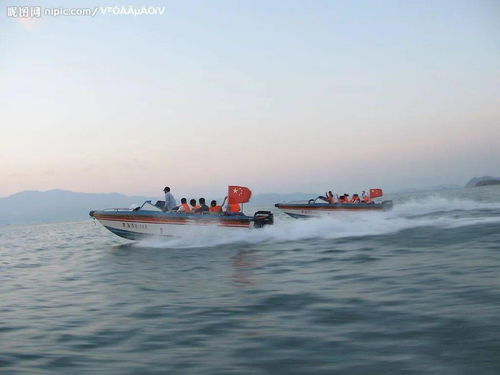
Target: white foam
{"x": 436, "y": 203}
{"x": 405, "y": 215}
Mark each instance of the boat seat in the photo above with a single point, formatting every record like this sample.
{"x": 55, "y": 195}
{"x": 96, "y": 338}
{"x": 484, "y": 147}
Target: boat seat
{"x": 160, "y": 204}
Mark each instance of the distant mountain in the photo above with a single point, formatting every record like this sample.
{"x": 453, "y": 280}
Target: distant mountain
{"x": 34, "y": 207}
{"x": 482, "y": 181}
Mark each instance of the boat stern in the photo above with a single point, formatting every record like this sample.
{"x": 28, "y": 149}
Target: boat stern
{"x": 263, "y": 218}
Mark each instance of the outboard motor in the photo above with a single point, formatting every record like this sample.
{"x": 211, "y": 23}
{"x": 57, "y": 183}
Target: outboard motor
{"x": 261, "y": 218}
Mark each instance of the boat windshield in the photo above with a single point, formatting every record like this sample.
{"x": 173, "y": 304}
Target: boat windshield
{"x": 148, "y": 206}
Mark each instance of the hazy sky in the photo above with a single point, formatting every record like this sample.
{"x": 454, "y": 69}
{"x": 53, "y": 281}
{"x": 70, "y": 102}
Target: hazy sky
{"x": 276, "y": 95}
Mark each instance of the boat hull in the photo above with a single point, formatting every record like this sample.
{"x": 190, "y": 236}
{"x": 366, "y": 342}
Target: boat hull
{"x": 304, "y": 210}
{"x": 140, "y": 224}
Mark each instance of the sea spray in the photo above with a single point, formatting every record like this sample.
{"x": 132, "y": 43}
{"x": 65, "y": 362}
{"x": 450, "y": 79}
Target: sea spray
{"x": 432, "y": 211}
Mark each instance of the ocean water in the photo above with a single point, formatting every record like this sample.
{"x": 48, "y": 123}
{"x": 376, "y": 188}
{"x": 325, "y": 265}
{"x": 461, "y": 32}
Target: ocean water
{"x": 412, "y": 291}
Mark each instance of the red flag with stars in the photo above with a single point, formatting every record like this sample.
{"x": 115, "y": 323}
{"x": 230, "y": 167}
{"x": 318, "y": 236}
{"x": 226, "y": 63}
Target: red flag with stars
{"x": 375, "y": 193}
{"x": 238, "y": 194}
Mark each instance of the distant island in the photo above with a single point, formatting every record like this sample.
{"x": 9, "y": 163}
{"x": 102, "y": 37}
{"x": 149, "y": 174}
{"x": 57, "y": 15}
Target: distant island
{"x": 488, "y": 182}
{"x": 483, "y": 181}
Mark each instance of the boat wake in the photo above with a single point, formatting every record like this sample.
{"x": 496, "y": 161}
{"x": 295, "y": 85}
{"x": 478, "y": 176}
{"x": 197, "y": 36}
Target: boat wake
{"x": 437, "y": 212}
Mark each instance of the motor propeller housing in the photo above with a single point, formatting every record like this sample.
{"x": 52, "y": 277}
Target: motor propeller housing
{"x": 262, "y": 218}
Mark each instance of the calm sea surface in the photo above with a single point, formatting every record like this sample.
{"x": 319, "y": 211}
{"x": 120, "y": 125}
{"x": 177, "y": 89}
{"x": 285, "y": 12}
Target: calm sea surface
{"x": 412, "y": 291}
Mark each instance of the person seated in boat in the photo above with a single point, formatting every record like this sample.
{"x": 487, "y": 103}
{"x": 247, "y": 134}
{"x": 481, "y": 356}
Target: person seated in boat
{"x": 232, "y": 208}
{"x": 322, "y": 197}
{"x": 329, "y": 197}
{"x": 202, "y": 207}
{"x": 170, "y": 202}
{"x": 193, "y": 204}
{"x": 342, "y": 199}
{"x": 215, "y": 208}
{"x": 355, "y": 198}
{"x": 365, "y": 197}
{"x": 184, "y": 207}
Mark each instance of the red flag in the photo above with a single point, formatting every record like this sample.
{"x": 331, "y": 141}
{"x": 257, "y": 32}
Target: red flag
{"x": 375, "y": 193}
{"x": 238, "y": 194}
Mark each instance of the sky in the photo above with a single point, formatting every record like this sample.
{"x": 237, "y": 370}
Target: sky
{"x": 279, "y": 96}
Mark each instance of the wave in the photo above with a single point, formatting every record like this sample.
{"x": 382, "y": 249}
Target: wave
{"x": 437, "y": 204}
{"x": 428, "y": 212}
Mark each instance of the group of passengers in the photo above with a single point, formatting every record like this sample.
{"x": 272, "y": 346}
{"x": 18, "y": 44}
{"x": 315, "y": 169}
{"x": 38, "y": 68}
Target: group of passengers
{"x": 200, "y": 207}
{"x": 365, "y": 198}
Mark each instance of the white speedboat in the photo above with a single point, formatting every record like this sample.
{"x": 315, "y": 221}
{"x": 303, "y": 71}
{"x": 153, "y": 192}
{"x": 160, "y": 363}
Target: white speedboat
{"x": 149, "y": 220}
{"x": 314, "y": 208}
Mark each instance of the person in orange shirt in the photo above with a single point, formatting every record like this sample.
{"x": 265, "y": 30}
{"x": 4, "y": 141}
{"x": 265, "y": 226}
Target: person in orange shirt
{"x": 184, "y": 207}
{"x": 366, "y": 197}
{"x": 215, "y": 208}
{"x": 231, "y": 208}
{"x": 193, "y": 204}
{"x": 355, "y": 198}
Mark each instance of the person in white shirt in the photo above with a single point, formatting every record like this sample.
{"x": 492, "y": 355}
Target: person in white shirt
{"x": 170, "y": 202}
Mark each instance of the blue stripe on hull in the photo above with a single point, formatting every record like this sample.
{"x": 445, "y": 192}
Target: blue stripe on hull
{"x": 126, "y": 234}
